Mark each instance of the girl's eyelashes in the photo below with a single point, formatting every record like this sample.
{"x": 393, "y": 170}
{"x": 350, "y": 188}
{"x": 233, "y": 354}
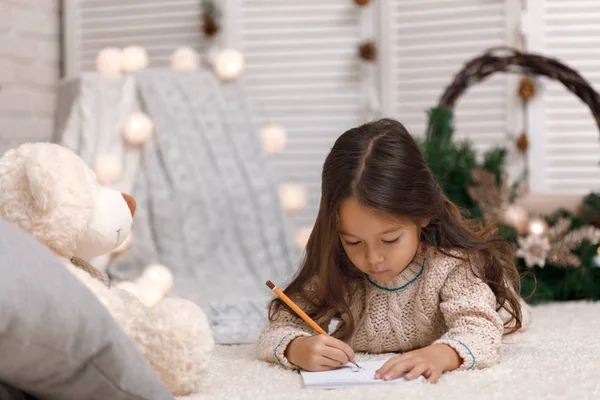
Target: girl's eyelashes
{"x": 390, "y": 242}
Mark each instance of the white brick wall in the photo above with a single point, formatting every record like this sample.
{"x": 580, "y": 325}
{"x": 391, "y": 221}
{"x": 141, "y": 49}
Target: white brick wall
{"x": 29, "y": 70}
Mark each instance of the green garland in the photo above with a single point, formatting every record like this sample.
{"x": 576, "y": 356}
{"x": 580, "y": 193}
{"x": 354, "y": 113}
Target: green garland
{"x": 453, "y": 163}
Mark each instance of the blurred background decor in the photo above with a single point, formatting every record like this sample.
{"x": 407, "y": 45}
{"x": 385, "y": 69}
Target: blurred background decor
{"x": 557, "y": 253}
{"x": 220, "y": 114}
{"x": 208, "y": 211}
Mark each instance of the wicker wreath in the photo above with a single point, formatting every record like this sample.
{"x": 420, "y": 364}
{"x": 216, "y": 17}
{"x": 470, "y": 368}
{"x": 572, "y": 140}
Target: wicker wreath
{"x": 515, "y": 61}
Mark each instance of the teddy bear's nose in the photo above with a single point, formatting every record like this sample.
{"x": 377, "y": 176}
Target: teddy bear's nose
{"x": 130, "y": 203}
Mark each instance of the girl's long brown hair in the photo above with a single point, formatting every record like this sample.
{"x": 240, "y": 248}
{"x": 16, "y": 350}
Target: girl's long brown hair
{"x": 382, "y": 166}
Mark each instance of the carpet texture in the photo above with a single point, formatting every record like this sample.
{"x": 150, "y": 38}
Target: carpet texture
{"x": 557, "y": 358}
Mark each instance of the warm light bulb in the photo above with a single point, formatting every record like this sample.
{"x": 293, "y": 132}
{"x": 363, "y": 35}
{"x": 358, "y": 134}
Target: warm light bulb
{"x": 293, "y": 197}
{"x": 537, "y": 226}
{"x": 229, "y": 64}
{"x": 150, "y": 293}
{"x": 109, "y": 61}
{"x": 159, "y": 275}
{"x": 184, "y": 59}
{"x": 134, "y": 58}
{"x": 273, "y": 138}
{"x": 138, "y": 129}
{"x": 108, "y": 169}
{"x": 154, "y": 284}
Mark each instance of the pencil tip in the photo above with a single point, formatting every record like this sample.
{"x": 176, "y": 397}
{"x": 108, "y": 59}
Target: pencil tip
{"x": 270, "y": 285}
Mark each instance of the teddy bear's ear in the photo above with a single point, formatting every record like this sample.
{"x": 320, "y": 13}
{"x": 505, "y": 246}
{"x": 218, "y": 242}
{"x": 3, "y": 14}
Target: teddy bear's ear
{"x": 40, "y": 178}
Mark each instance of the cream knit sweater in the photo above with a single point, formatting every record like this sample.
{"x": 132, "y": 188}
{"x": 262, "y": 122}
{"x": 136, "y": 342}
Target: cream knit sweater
{"x": 436, "y": 299}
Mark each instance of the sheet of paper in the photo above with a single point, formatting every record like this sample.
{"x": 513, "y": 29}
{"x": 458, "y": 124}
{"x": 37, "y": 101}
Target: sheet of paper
{"x": 348, "y": 375}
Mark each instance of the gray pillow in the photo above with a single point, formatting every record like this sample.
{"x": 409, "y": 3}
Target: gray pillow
{"x": 57, "y": 341}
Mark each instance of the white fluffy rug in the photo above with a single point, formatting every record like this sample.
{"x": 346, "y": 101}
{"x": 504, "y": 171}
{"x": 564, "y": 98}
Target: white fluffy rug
{"x": 557, "y": 358}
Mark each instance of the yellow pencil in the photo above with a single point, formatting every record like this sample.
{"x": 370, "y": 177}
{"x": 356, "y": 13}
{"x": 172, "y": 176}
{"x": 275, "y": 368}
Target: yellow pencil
{"x": 299, "y": 311}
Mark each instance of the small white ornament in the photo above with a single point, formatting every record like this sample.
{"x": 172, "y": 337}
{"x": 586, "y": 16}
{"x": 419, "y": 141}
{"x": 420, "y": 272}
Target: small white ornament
{"x": 538, "y": 227}
{"x": 138, "y": 129}
{"x": 302, "y": 236}
{"x": 129, "y": 287}
{"x": 229, "y": 64}
{"x": 108, "y": 169}
{"x": 293, "y": 197}
{"x": 517, "y": 217}
{"x": 123, "y": 246}
{"x": 134, "y": 58}
{"x": 184, "y": 59}
{"x": 109, "y": 61}
{"x": 273, "y": 138}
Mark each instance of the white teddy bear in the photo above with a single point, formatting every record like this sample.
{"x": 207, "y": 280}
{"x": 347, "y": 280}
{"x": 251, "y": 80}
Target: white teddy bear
{"x": 49, "y": 191}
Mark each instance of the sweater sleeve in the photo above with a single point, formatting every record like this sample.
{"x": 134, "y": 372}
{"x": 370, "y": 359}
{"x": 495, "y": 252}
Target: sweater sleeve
{"x": 474, "y": 326}
{"x": 279, "y": 333}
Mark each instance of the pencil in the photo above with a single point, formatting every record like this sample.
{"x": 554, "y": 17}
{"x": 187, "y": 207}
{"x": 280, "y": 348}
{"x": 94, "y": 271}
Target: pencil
{"x": 299, "y": 311}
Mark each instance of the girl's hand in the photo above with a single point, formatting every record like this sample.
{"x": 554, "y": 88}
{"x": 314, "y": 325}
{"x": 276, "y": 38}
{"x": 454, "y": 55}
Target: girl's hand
{"x": 430, "y": 361}
{"x": 318, "y": 353}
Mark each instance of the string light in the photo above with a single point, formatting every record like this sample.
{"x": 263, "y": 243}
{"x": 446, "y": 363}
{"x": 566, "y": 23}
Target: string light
{"x": 185, "y": 59}
{"x": 273, "y": 138}
{"x": 138, "y": 129}
{"x": 134, "y": 58}
{"x": 229, "y": 64}
{"x": 158, "y": 274}
{"x": 537, "y": 226}
{"x": 109, "y": 61}
{"x": 149, "y": 293}
{"x": 293, "y": 196}
{"x": 108, "y": 169}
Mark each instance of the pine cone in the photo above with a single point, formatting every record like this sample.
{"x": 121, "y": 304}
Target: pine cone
{"x": 523, "y": 142}
{"x": 209, "y": 26}
{"x": 368, "y": 51}
{"x": 526, "y": 88}
{"x": 595, "y": 220}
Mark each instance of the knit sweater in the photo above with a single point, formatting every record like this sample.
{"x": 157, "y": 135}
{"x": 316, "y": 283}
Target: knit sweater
{"x": 436, "y": 299}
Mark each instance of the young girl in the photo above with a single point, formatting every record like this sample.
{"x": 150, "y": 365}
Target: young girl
{"x": 396, "y": 262}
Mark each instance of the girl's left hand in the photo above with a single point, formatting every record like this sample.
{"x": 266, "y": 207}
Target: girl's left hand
{"x": 430, "y": 361}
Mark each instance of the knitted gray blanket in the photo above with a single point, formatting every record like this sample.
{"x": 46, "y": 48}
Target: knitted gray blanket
{"x": 206, "y": 205}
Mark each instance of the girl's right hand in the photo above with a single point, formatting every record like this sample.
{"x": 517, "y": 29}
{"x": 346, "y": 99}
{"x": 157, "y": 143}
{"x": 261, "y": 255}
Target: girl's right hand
{"x": 318, "y": 353}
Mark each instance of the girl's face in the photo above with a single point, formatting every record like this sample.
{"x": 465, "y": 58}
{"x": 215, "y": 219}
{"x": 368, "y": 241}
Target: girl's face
{"x": 378, "y": 245}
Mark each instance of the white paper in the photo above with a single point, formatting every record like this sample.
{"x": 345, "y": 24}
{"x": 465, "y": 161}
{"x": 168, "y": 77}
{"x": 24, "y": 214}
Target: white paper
{"x": 348, "y": 376}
